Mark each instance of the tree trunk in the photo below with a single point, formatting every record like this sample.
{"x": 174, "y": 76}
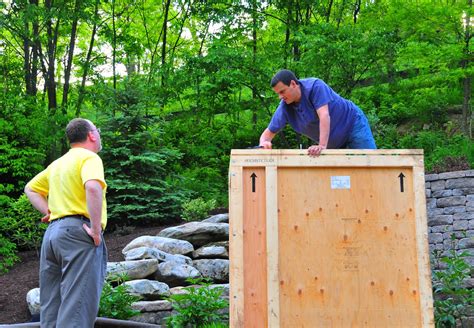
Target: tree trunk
{"x": 356, "y": 10}
{"x": 85, "y": 72}
{"x": 35, "y": 53}
{"x": 466, "y": 105}
{"x": 50, "y": 83}
{"x": 72, "y": 43}
{"x": 114, "y": 48}
{"x": 328, "y": 11}
{"x": 163, "y": 48}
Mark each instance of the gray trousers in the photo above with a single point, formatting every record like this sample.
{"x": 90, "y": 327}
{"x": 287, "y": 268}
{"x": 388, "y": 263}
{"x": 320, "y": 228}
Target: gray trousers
{"x": 72, "y": 274}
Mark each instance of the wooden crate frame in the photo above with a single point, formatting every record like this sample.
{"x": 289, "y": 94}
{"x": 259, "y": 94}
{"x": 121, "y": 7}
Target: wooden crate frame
{"x": 267, "y": 163}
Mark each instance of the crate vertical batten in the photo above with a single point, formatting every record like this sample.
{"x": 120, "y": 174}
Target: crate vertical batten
{"x": 334, "y": 241}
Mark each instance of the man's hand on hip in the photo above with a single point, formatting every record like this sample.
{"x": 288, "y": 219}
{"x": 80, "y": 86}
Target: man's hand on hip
{"x": 96, "y": 235}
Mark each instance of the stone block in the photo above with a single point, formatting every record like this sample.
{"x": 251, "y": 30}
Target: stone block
{"x": 435, "y": 211}
{"x": 430, "y": 203}
{"x": 454, "y": 210}
{"x": 440, "y": 220}
{"x": 427, "y": 193}
{"x": 451, "y": 201}
{"x": 463, "y": 216}
{"x": 435, "y": 238}
{"x": 442, "y": 228}
{"x": 452, "y": 175}
{"x": 438, "y": 185}
{"x": 469, "y": 173}
{"x": 442, "y": 193}
{"x": 460, "y": 225}
{"x": 431, "y": 177}
{"x": 458, "y": 192}
{"x": 459, "y": 183}
{"x": 466, "y": 243}
{"x": 470, "y": 226}
{"x": 470, "y": 198}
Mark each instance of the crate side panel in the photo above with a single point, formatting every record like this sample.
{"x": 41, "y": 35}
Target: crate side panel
{"x": 347, "y": 245}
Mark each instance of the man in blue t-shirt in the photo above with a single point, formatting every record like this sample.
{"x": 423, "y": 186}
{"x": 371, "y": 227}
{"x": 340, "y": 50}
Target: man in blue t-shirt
{"x": 313, "y": 109}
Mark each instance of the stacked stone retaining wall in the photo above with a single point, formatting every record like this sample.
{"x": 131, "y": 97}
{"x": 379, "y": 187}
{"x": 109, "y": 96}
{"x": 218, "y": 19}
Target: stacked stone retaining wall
{"x": 450, "y": 206}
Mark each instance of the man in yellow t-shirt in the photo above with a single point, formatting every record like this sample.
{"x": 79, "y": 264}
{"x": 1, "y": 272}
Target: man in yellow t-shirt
{"x": 70, "y": 192}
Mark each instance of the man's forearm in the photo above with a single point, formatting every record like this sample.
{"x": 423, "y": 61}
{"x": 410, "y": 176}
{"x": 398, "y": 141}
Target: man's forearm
{"x": 94, "y": 203}
{"x": 37, "y": 200}
{"x": 324, "y": 131}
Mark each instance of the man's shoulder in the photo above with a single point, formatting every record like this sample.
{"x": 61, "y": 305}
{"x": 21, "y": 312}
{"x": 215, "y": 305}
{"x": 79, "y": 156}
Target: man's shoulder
{"x": 77, "y": 155}
{"x": 311, "y": 82}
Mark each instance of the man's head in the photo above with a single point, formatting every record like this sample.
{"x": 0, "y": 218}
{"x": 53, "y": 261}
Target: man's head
{"x": 83, "y": 132}
{"x": 286, "y": 85}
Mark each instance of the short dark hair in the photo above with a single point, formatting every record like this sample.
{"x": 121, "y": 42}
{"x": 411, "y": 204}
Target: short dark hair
{"x": 77, "y": 130}
{"x": 285, "y": 76}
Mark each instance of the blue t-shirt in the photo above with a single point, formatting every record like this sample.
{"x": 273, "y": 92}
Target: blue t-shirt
{"x": 303, "y": 118}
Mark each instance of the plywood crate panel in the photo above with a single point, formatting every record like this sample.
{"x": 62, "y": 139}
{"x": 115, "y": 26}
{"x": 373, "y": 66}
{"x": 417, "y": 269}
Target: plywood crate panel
{"x": 334, "y": 241}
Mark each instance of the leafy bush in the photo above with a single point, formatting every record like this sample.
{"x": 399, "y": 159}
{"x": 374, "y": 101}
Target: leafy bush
{"x": 197, "y": 209}
{"x": 8, "y": 255}
{"x": 198, "y": 307}
{"x": 115, "y": 302}
{"x": 452, "y": 298}
{"x": 22, "y": 225}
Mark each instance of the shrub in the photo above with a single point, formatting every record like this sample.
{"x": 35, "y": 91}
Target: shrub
{"x": 199, "y": 306}
{"x": 8, "y": 255}
{"x": 116, "y": 302}
{"x": 29, "y": 229}
{"x": 452, "y": 298}
{"x": 197, "y": 209}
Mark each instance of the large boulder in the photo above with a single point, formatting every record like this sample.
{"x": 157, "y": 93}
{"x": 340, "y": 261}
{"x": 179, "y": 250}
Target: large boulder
{"x": 215, "y": 269}
{"x": 218, "y": 218}
{"x": 218, "y": 250}
{"x": 168, "y": 245}
{"x": 142, "y": 253}
{"x": 198, "y": 233}
{"x": 175, "y": 274}
{"x": 33, "y": 301}
{"x": 132, "y": 269}
{"x": 152, "y": 306}
{"x": 147, "y": 289}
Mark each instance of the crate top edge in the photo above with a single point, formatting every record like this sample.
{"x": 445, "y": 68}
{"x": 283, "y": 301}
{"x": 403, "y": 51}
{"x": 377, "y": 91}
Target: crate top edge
{"x": 328, "y": 152}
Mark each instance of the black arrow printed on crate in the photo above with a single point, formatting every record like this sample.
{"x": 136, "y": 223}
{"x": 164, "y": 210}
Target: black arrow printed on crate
{"x": 401, "y": 176}
{"x": 253, "y": 176}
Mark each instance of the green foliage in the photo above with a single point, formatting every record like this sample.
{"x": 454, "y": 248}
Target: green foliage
{"x": 8, "y": 255}
{"x": 197, "y": 209}
{"x": 199, "y": 306}
{"x": 115, "y": 302}
{"x": 437, "y": 147}
{"x": 139, "y": 166}
{"x": 452, "y": 298}
{"x": 22, "y": 226}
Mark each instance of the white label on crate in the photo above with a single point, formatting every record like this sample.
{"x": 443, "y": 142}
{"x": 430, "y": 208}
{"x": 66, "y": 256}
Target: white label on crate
{"x": 341, "y": 182}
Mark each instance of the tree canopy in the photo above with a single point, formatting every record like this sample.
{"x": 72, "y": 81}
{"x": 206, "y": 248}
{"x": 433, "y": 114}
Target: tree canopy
{"x": 177, "y": 84}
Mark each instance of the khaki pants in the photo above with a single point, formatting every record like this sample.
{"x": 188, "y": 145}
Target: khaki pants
{"x": 72, "y": 273}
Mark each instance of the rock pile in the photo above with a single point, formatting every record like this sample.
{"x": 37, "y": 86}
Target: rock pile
{"x": 158, "y": 266}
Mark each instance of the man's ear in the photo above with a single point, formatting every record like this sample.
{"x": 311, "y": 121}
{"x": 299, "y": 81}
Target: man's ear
{"x": 293, "y": 83}
{"x": 91, "y": 136}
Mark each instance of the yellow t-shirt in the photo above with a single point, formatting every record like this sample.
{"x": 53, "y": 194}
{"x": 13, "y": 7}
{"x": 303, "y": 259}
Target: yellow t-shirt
{"x": 63, "y": 183}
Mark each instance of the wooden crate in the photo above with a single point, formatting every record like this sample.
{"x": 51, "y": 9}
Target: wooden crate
{"x": 334, "y": 241}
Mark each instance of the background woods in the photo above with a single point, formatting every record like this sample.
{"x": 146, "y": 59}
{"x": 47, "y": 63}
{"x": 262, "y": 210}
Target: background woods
{"x": 174, "y": 85}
